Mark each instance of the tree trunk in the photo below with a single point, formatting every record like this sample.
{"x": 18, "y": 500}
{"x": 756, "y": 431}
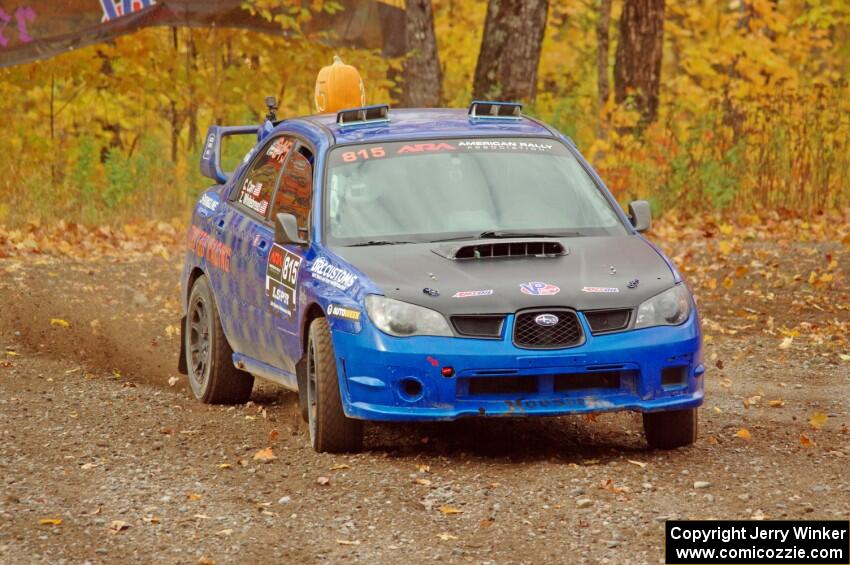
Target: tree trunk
{"x": 422, "y": 77}
{"x": 637, "y": 69}
{"x": 603, "y": 24}
{"x": 510, "y": 50}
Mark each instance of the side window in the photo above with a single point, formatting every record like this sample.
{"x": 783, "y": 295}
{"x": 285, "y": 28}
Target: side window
{"x": 295, "y": 195}
{"x": 259, "y": 184}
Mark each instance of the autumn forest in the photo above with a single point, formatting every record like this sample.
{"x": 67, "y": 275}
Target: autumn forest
{"x": 696, "y": 105}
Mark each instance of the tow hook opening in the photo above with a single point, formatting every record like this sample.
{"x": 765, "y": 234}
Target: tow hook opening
{"x": 410, "y": 389}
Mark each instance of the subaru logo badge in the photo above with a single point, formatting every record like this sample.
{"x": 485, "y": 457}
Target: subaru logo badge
{"x": 546, "y": 320}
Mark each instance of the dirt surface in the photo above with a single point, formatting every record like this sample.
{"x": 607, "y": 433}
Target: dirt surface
{"x": 94, "y": 435}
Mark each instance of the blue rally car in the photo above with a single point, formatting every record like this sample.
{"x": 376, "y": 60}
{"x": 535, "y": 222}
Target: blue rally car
{"x": 415, "y": 265}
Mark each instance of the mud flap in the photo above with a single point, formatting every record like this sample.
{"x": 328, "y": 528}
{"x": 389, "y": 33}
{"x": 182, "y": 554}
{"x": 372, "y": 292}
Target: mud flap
{"x": 181, "y": 362}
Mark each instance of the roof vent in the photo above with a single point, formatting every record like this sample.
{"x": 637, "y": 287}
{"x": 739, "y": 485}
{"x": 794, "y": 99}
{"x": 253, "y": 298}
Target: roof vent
{"x": 364, "y": 115}
{"x": 503, "y": 250}
{"x": 481, "y": 110}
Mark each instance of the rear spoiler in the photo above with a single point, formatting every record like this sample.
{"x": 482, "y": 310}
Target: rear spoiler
{"x": 211, "y": 156}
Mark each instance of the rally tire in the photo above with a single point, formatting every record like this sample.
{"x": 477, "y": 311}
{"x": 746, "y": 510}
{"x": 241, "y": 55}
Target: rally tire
{"x": 671, "y": 429}
{"x": 209, "y": 358}
{"x": 331, "y": 430}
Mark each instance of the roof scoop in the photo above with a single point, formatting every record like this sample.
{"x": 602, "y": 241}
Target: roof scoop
{"x": 502, "y": 250}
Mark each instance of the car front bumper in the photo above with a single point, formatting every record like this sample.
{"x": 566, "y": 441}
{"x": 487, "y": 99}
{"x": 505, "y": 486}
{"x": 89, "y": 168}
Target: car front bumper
{"x": 401, "y": 379}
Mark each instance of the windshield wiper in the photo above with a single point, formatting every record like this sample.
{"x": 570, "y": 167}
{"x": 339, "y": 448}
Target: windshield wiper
{"x": 378, "y": 242}
{"x": 508, "y": 235}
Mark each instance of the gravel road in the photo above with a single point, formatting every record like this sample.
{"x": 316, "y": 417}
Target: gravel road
{"x": 99, "y": 432}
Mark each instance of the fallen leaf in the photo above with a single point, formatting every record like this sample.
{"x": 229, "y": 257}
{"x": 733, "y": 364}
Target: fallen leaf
{"x": 340, "y": 467}
{"x": 194, "y": 496}
{"x": 717, "y": 410}
{"x": 817, "y": 420}
{"x": 640, "y": 464}
{"x": 204, "y": 560}
{"x": 805, "y": 441}
{"x": 486, "y": 523}
{"x": 449, "y": 510}
{"x": 744, "y": 434}
{"x": 50, "y": 522}
{"x": 265, "y": 455}
{"x": 273, "y": 435}
{"x": 786, "y": 343}
{"x": 348, "y": 542}
{"x": 777, "y": 403}
{"x": 117, "y": 526}
{"x": 423, "y": 482}
{"x": 712, "y": 440}
{"x": 424, "y": 468}
{"x": 225, "y": 532}
{"x": 324, "y": 481}
{"x": 173, "y": 381}
{"x": 844, "y": 357}
{"x": 225, "y": 466}
{"x": 446, "y": 537}
{"x": 59, "y": 322}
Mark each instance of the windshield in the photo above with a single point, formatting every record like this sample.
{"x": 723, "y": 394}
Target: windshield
{"x": 456, "y": 189}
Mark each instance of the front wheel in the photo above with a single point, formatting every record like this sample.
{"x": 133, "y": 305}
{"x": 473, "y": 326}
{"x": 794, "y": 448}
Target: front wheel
{"x": 671, "y": 429}
{"x": 330, "y": 429}
{"x": 209, "y": 358}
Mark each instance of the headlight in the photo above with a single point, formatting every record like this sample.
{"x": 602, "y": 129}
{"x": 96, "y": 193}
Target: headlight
{"x": 670, "y": 308}
{"x": 402, "y": 319}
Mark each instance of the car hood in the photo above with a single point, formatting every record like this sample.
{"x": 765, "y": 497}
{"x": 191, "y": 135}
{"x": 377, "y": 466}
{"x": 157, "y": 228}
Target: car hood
{"x": 586, "y": 275}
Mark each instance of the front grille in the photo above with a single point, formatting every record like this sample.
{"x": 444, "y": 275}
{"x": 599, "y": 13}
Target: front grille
{"x": 581, "y": 381}
{"x": 479, "y": 325}
{"x": 502, "y": 385}
{"x": 528, "y": 333}
{"x": 602, "y": 321}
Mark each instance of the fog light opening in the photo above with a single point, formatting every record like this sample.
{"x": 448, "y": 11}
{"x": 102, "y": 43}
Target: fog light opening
{"x": 411, "y": 389}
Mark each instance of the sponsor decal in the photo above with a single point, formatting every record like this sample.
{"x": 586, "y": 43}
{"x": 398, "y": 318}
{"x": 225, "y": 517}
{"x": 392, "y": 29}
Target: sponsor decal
{"x": 342, "y": 312}
{"x": 208, "y": 148}
{"x": 279, "y": 149}
{"x": 633, "y": 283}
{"x": 546, "y": 320}
{"x": 422, "y": 147}
{"x": 536, "y": 288}
{"x": 470, "y": 293}
{"x": 282, "y": 279}
{"x": 433, "y": 361}
{"x": 113, "y": 9}
{"x": 431, "y": 291}
{"x": 207, "y": 247}
{"x": 208, "y": 201}
{"x": 520, "y": 405}
{"x": 600, "y": 289}
{"x": 503, "y": 144}
{"x": 337, "y": 277}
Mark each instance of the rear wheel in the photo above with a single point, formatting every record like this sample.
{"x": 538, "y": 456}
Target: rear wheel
{"x": 330, "y": 429}
{"x": 671, "y": 429}
{"x": 209, "y": 358}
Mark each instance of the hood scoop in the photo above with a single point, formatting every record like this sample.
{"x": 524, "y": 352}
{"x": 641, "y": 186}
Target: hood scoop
{"x": 502, "y": 250}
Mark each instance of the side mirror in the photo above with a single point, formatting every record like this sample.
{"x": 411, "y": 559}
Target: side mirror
{"x": 640, "y": 213}
{"x": 286, "y": 230}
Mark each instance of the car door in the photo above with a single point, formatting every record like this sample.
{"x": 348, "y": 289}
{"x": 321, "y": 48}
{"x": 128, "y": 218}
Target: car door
{"x": 245, "y": 227}
{"x": 294, "y": 196}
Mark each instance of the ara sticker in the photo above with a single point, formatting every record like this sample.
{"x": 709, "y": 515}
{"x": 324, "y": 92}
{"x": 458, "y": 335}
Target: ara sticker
{"x": 337, "y": 311}
{"x": 539, "y": 289}
{"x": 470, "y": 293}
{"x": 282, "y": 279}
{"x": 600, "y": 289}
